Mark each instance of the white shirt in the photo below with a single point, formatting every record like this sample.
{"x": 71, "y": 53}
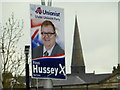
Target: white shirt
{"x": 49, "y": 51}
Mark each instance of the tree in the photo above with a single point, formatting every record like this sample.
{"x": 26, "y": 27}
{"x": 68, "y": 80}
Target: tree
{"x": 1, "y": 86}
{"x": 12, "y": 55}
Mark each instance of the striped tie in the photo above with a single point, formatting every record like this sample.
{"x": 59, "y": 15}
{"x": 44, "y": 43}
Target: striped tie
{"x": 46, "y": 53}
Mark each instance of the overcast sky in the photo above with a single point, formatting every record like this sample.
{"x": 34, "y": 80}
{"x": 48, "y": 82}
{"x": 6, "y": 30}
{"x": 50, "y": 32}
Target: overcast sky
{"x": 98, "y": 28}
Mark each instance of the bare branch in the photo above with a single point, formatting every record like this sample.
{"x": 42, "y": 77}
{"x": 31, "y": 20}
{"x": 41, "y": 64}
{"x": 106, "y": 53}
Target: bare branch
{"x": 12, "y": 32}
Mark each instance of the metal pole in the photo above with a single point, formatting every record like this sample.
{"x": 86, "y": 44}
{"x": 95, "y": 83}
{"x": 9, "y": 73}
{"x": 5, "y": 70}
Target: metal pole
{"x": 43, "y": 2}
{"x": 87, "y": 86}
{"x": 48, "y": 84}
{"x": 27, "y": 72}
{"x": 37, "y": 83}
{"x": 49, "y": 2}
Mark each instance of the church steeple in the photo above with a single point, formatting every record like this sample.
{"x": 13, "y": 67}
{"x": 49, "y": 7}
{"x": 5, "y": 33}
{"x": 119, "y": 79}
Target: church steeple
{"x": 77, "y": 65}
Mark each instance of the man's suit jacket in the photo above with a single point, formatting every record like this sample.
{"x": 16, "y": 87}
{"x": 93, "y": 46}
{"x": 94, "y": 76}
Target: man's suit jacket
{"x": 38, "y": 51}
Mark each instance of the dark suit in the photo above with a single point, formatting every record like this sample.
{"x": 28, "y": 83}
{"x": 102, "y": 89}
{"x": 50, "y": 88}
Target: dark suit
{"x": 38, "y": 51}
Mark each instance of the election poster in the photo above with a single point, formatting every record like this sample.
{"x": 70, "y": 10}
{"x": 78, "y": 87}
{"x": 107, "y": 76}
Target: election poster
{"x": 47, "y": 42}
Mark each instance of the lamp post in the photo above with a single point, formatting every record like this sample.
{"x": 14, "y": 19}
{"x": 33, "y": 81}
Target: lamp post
{"x": 27, "y": 66}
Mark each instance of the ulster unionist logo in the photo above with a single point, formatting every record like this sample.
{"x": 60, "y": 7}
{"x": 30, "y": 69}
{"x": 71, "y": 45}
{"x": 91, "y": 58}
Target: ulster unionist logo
{"x": 47, "y": 12}
{"x": 38, "y": 10}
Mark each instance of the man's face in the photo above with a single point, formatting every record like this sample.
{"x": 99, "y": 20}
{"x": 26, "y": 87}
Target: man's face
{"x": 48, "y": 36}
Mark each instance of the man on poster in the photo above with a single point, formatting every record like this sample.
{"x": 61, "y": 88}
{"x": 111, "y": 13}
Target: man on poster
{"x": 49, "y": 47}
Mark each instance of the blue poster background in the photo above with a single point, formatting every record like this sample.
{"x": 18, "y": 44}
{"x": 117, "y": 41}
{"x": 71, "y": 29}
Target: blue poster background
{"x": 49, "y": 68}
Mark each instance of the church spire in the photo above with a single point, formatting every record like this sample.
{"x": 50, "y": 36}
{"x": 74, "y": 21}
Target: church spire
{"x": 77, "y": 65}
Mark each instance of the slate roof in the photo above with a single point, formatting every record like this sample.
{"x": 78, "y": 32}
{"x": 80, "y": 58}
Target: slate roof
{"x": 93, "y": 78}
{"x": 71, "y": 80}
{"x": 74, "y": 79}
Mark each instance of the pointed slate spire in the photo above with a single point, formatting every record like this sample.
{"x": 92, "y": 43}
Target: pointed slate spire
{"x": 77, "y": 65}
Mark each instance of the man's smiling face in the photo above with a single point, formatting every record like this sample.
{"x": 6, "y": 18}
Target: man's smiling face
{"x": 48, "y": 36}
